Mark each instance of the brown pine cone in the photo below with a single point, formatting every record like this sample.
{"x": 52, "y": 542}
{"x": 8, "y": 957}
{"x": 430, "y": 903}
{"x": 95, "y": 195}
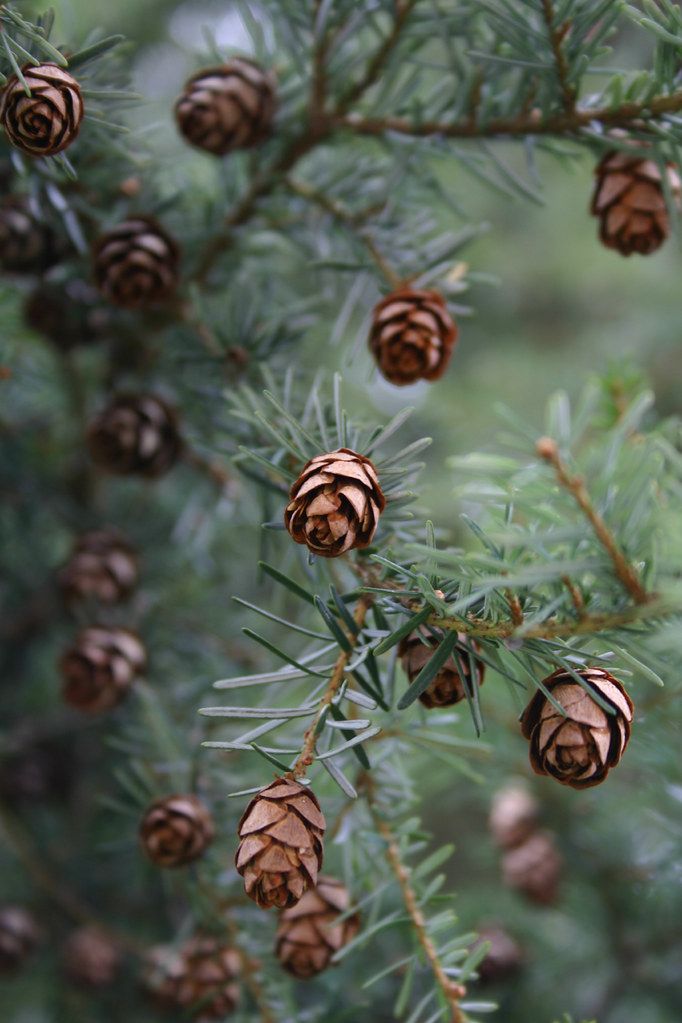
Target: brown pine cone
{"x": 335, "y": 504}
{"x": 447, "y": 688}
{"x": 100, "y": 667}
{"x": 102, "y": 565}
{"x": 280, "y": 848}
{"x": 91, "y": 958}
{"x": 26, "y": 245}
{"x": 38, "y": 771}
{"x": 412, "y": 336}
{"x": 513, "y": 815}
{"x": 308, "y": 934}
{"x": 137, "y": 263}
{"x": 630, "y": 202}
{"x": 580, "y": 747}
{"x": 67, "y": 314}
{"x": 136, "y": 434}
{"x": 534, "y": 868}
{"x": 19, "y": 934}
{"x": 176, "y": 830}
{"x": 226, "y": 108}
{"x": 200, "y": 976}
{"x": 48, "y": 121}
{"x": 504, "y": 958}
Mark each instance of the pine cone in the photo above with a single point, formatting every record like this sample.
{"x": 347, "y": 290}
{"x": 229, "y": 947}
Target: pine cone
{"x": 137, "y": 264}
{"x": 280, "y": 848}
{"x": 48, "y": 121}
{"x": 630, "y": 202}
{"x": 135, "y": 434}
{"x": 91, "y": 958}
{"x": 102, "y": 565}
{"x": 513, "y": 815}
{"x": 412, "y": 336}
{"x": 335, "y": 504}
{"x": 26, "y": 245}
{"x": 534, "y": 868}
{"x": 176, "y": 830}
{"x": 19, "y": 934}
{"x": 226, "y": 108}
{"x": 200, "y": 976}
{"x": 42, "y": 770}
{"x": 447, "y": 688}
{"x": 100, "y": 667}
{"x": 67, "y": 314}
{"x": 504, "y": 958}
{"x": 580, "y": 747}
{"x": 308, "y": 934}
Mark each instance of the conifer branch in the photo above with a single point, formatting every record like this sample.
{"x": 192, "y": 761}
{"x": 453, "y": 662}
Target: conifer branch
{"x": 557, "y": 35}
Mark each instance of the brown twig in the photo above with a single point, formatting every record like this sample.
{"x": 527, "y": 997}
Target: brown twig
{"x": 576, "y": 595}
{"x": 557, "y": 34}
{"x": 376, "y": 65}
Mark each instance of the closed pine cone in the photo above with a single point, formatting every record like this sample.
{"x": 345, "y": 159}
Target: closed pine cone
{"x": 100, "y": 667}
{"x": 19, "y": 934}
{"x": 513, "y": 815}
{"x": 136, "y": 263}
{"x": 176, "y": 830}
{"x": 70, "y": 314}
{"x": 308, "y": 933}
{"x": 280, "y": 848}
{"x": 102, "y": 565}
{"x": 335, "y": 504}
{"x": 91, "y": 958}
{"x": 412, "y": 336}
{"x": 630, "y": 202}
{"x": 27, "y": 246}
{"x": 534, "y": 868}
{"x": 200, "y": 977}
{"x": 48, "y": 121}
{"x": 447, "y": 688}
{"x": 226, "y": 108}
{"x": 135, "y": 434}
{"x": 504, "y": 958}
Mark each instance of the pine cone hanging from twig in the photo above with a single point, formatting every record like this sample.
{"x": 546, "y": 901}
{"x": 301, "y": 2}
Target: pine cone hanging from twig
{"x": 27, "y": 246}
{"x": 310, "y": 932}
{"x": 91, "y": 958}
{"x": 412, "y": 336}
{"x": 136, "y": 434}
{"x": 200, "y": 977}
{"x": 176, "y": 830}
{"x": 48, "y": 120}
{"x": 447, "y": 688}
{"x": 100, "y": 667}
{"x": 19, "y": 934}
{"x": 102, "y": 565}
{"x": 630, "y": 202}
{"x": 137, "y": 264}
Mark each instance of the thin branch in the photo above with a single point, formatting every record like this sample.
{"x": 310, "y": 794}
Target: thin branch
{"x": 556, "y": 38}
{"x": 403, "y": 9}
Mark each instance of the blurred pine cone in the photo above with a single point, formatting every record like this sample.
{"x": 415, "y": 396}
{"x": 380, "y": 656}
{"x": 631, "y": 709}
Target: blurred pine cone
{"x": 513, "y": 815}
{"x": 137, "y": 263}
{"x": 335, "y": 504}
{"x": 579, "y": 747}
{"x": 100, "y": 667}
{"x": 102, "y": 565}
{"x": 534, "y": 868}
{"x": 280, "y": 848}
{"x": 19, "y": 935}
{"x": 412, "y": 336}
{"x": 41, "y": 770}
{"x": 135, "y": 434}
{"x": 176, "y": 830}
{"x": 447, "y": 688}
{"x": 48, "y": 121}
{"x": 630, "y": 202}
{"x": 68, "y": 314}
{"x": 504, "y": 958}
{"x": 27, "y": 246}
{"x": 226, "y": 108}
{"x": 201, "y": 977}
{"x": 308, "y": 933}
{"x": 91, "y": 958}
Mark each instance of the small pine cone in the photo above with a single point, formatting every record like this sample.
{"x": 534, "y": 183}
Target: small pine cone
{"x": 201, "y": 976}
{"x": 513, "y": 816}
{"x": 534, "y": 868}
{"x": 280, "y": 848}
{"x": 335, "y": 504}
{"x": 100, "y": 667}
{"x": 308, "y": 934}
{"x": 27, "y": 246}
{"x": 67, "y": 315}
{"x": 412, "y": 336}
{"x": 91, "y": 958}
{"x": 226, "y": 108}
{"x": 136, "y": 264}
{"x": 136, "y": 434}
{"x": 103, "y": 565}
{"x": 579, "y": 747}
{"x": 630, "y": 202}
{"x": 176, "y": 830}
{"x": 447, "y": 688}
{"x": 504, "y": 958}
{"x": 48, "y": 121}
{"x": 40, "y": 771}
{"x": 19, "y": 935}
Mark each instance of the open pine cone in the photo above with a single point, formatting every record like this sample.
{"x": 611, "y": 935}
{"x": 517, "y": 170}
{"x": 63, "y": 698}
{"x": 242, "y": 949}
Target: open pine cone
{"x": 630, "y": 202}
{"x": 26, "y": 245}
{"x": 102, "y": 565}
{"x": 335, "y": 504}
{"x": 308, "y": 933}
{"x": 137, "y": 263}
{"x": 100, "y": 667}
{"x": 200, "y": 977}
{"x": 447, "y": 687}
{"x": 578, "y": 748}
{"x": 91, "y": 958}
{"x": 19, "y": 934}
{"x": 228, "y": 107}
{"x": 176, "y": 830}
{"x": 412, "y": 336}
{"x": 48, "y": 121}
{"x": 280, "y": 847}
{"x": 135, "y": 434}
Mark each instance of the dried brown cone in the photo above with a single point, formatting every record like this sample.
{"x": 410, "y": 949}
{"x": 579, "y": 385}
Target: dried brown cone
{"x": 176, "y": 830}
{"x": 48, "y": 121}
{"x": 136, "y": 434}
{"x": 335, "y": 504}
{"x": 91, "y": 957}
{"x": 201, "y": 976}
{"x": 68, "y": 314}
{"x": 504, "y": 958}
{"x": 412, "y": 336}
{"x": 534, "y": 868}
{"x": 513, "y": 815}
{"x": 100, "y": 667}
{"x": 630, "y": 202}
{"x": 19, "y": 935}
{"x": 310, "y": 932}
{"x": 103, "y": 566}
{"x": 580, "y": 746}
{"x": 447, "y": 688}
{"x": 136, "y": 263}
{"x": 280, "y": 848}
{"x": 27, "y": 246}
{"x": 228, "y": 107}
